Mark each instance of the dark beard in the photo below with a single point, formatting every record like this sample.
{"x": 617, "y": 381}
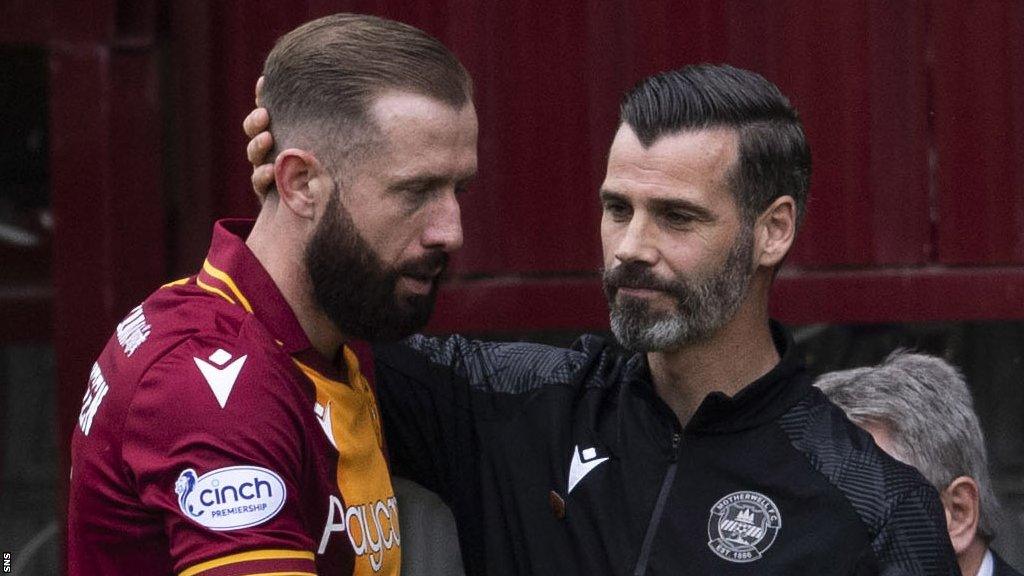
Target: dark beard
{"x": 703, "y": 305}
{"x": 355, "y": 290}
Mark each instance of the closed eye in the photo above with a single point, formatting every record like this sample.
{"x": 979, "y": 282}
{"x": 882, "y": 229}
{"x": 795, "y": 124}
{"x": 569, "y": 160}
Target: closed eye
{"x": 677, "y": 219}
{"x": 617, "y": 210}
{"x": 615, "y": 206}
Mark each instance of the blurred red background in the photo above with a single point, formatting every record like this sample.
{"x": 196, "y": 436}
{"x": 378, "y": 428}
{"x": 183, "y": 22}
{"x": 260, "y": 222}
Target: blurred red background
{"x": 913, "y": 111}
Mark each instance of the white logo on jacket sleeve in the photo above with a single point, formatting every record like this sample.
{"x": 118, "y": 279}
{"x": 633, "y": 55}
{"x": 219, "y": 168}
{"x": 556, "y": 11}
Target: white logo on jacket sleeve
{"x": 133, "y": 331}
{"x": 94, "y": 394}
{"x": 220, "y": 375}
{"x": 580, "y": 467}
{"x": 230, "y": 498}
{"x": 743, "y": 525}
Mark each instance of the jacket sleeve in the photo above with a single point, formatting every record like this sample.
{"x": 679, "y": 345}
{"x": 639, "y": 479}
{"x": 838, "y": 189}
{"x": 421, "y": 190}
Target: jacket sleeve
{"x": 433, "y": 394}
{"x": 914, "y": 541}
{"x": 432, "y": 390}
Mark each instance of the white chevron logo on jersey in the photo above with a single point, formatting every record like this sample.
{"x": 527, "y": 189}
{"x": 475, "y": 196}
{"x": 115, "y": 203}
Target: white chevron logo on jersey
{"x": 220, "y": 375}
{"x": 323, "y": 416}
{"x": 579, "y": 467}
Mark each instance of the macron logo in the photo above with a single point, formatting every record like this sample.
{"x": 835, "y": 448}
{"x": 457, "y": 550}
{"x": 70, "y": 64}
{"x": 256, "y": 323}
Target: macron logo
{"x": 221, "y": 375}
{"x": 580, "y": 467}
{"x": 323, "y": 416}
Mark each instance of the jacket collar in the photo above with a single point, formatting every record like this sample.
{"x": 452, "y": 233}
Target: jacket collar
{"x": 760, "y": 402}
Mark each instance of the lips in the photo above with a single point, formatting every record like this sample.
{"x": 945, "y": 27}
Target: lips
{"x": 421, "y": 283}
{"x": 630, "y": 280}
{"x": 637, "y": 291}
{"x": 423, "y": 274}
{"x": 427, "y": 268}
{"x": 636, "y": 281}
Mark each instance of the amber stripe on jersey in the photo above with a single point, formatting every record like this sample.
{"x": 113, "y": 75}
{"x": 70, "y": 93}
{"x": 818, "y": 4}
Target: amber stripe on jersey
{"x": 216, "y": 291}
{"x": 363, "y": 477}
{"x": 227, "y": 281}
{"x": 257, "y": 562}
{"x": 177, "y": 282}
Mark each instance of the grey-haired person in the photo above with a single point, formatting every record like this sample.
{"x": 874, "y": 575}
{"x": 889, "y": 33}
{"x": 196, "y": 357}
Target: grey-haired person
{"x": 919, "y": 410}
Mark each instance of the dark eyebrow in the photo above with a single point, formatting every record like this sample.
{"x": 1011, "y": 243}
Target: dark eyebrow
{"x": 699, "y": 213}
{"x": 607, "y": 195}
{"x": 429, "y": 182}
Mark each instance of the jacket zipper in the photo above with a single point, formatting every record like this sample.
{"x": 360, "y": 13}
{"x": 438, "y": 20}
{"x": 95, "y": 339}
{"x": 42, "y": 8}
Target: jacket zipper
{"x": 659, "y": 508}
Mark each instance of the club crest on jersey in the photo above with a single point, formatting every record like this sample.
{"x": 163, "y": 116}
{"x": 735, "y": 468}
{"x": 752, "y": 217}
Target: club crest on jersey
{"x": 230, "y": 498}
{"x": 743, "y": 525}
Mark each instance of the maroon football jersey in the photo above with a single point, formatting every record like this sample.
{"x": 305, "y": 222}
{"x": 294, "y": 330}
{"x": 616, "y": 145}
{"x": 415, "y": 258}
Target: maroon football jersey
{"x": 214, "y": 440}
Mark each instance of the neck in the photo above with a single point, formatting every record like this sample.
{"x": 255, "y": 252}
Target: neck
{"x": 970, "y": 558}
{"x": 275, "y": 245}
{"x": 738, "y": 353}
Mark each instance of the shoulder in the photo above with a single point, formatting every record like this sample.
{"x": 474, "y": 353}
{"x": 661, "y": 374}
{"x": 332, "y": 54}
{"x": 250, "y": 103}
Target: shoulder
{"x": 876, "y": 485}
{"x": 217, "y": 399}
{"x": 510, "y": 367}
{"x": 1001, "y": 567}
{"x": 899, "y": 508}
{"x": 206, "y": 364}
{"x": 167, "y": 318}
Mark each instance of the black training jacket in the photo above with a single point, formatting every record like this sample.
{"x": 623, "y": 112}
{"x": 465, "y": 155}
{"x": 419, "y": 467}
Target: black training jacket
{"x": 565, "y": 462}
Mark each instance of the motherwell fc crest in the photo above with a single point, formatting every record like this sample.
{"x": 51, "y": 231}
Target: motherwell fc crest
{"x": 742, "y": 526}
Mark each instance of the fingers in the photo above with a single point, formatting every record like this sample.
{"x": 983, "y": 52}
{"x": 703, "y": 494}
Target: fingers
{"x": 262, "y": 179}
{"x": 257, "y": 148}
{"x": 257, "y": 121}
{"x": 260, "y": 143}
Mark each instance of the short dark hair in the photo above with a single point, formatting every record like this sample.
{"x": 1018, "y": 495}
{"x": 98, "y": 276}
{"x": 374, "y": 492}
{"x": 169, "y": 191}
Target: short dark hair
{"x": 774, "y": 157}
{"x": 322, "y": 77}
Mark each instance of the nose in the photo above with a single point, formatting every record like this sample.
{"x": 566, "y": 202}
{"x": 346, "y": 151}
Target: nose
{"x": 444, "y": 230}
{"x": 635, "y": 244}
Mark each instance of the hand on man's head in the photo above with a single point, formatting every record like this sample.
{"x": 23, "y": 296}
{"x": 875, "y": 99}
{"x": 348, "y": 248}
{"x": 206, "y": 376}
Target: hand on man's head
{"x": 256, "y": 126}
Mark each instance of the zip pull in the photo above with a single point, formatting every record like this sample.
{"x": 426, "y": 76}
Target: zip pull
{"x": 677, "y": 439}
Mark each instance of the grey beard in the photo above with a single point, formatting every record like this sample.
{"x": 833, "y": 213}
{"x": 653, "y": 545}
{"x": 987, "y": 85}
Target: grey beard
{"x": 700, "y": 311}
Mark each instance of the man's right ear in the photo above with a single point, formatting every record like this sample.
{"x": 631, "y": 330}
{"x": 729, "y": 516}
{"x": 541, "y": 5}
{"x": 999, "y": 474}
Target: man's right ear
{"x": 962, "y": 502}
{"x": 296, "y": 174}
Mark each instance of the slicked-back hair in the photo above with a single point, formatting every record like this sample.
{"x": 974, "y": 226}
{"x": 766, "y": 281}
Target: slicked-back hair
{"x": 322, "y": 78}
{"x": 774, "y": 157}
{"x": 924, "y": 403}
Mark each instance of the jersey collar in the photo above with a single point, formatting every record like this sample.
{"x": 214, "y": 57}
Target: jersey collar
{"x": 232, "y": 271}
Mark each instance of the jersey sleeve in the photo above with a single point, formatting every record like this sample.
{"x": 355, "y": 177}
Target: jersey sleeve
{"x": 214, "y": 445}
{"x": 914, "y": 540}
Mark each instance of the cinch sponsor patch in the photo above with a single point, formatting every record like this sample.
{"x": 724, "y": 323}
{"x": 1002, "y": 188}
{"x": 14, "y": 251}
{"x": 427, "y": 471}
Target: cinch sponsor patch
{"x": 230, "y": 498}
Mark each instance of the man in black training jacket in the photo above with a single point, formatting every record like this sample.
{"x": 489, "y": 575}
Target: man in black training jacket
{"x": 707, "y": 451}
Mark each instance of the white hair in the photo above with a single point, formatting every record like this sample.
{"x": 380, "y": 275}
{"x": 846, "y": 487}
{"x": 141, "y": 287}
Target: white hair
{"x": 924, "y": 402}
